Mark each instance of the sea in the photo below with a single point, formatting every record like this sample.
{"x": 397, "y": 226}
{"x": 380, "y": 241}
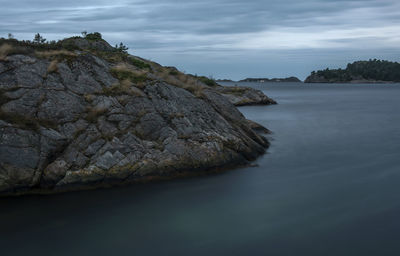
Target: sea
{"x": 328, "y": 185}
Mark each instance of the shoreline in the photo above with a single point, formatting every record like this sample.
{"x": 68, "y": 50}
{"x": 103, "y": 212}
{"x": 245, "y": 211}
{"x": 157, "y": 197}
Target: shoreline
{"x": 304, "y": 83}
{"x": 354, "y": 82}
{"x": 184, "y": 174}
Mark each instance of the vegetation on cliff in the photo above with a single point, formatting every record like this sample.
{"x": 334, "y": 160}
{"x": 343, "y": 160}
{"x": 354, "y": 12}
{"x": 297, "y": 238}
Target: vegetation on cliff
{"x": 359, "y": 71}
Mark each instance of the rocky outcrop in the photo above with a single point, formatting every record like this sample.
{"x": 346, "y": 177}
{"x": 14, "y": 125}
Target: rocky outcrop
{"x": 244, "y": 96}
{"x": 74, "y": 120}
{"x": 258, "y": 127}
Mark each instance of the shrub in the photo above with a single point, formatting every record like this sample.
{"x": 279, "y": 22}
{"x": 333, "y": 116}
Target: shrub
{"x": 208, "y": 81}
{"x": 173, "y": 73}
{"x": 96, "y": 36}
{"x": 138, "y": 63}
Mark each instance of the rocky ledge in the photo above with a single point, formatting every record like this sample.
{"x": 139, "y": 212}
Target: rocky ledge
{"x": 243, "y": 96}
{"x": 93, "y": 117}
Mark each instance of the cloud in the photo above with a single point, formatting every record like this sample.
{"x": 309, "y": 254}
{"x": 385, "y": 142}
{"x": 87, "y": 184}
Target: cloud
{"x": 224, "y": 28}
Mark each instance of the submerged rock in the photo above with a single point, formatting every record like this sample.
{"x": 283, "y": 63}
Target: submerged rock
{"x": 76, "y": 120}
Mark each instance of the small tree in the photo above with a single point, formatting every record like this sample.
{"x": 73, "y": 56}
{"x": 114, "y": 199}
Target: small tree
{"x": 10, "y": 36}
{"x": 38, "y": 39}
{"x": 121, "y": 48}
{"x": 84, "y": 33}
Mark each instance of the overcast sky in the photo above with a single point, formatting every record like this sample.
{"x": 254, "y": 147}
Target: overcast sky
{"x": 223, "y": 38}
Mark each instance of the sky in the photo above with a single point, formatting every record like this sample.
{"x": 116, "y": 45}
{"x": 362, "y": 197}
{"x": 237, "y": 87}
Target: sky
{"x": 231, "y": 39}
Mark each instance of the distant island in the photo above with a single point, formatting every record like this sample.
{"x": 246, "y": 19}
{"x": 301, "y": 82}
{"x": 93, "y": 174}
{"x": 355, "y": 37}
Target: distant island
{"x": 372, "y": 71}
{"x": 291, "y": 79}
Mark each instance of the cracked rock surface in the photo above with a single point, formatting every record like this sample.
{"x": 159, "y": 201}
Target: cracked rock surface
{"x": 61, "y": 130}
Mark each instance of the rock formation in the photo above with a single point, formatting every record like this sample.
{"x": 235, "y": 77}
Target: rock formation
{"x": 87, "y": 116}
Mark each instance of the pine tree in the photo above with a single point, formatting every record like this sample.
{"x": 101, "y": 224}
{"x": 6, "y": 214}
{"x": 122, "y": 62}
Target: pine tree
{"x": 38, "y": 39}
{"x": 121, "y": 48}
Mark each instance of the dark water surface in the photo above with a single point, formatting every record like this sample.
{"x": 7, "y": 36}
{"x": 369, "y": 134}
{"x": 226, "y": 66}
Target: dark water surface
{"x": 329, "y": 185}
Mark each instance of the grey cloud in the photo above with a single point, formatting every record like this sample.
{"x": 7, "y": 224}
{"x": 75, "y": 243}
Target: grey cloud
{"x": 220, "y": 29}
{"x": 196, "y": 16}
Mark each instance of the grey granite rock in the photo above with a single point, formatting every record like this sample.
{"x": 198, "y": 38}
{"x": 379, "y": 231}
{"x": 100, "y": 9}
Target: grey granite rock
{"x": 66, "y": 129}
{"x": 61, "y": 107}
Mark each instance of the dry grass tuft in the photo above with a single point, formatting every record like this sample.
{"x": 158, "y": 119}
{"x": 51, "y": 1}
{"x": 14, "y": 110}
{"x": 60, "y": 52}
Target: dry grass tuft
{"x": 181, "y": 80}
{"x": 89, "y": 98}
{"x": 124, "y": 87}
{"x": 235, "y": 90}
{"x": 53, "y": 67}
{"x": 94, "y": 113}
{"x": 54, "y": 53}
{"x": 5, "y": 50}
{"x": 125, "y": 67}
{"x": 129, "y": 75}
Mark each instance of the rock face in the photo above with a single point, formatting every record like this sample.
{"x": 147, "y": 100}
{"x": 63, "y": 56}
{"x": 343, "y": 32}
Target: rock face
{"x": 75, "y": 123}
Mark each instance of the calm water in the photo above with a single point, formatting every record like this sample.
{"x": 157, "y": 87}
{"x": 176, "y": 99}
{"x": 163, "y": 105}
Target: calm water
{"x": 329, "y": 185}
